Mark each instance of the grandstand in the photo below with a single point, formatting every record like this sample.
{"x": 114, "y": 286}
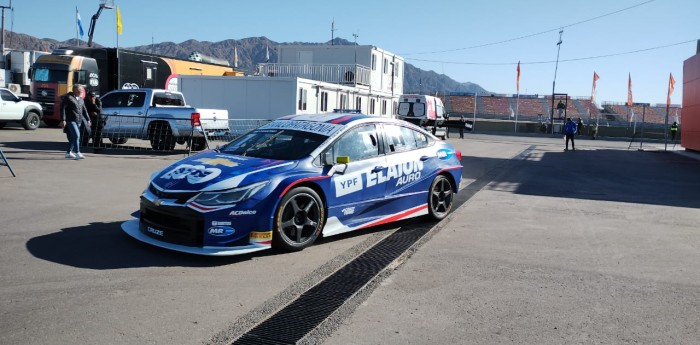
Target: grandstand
{"x": 498, "y": 106}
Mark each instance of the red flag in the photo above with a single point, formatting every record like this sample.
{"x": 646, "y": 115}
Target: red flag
{"x": 517, "y": 81}
{"x": 629, "y": 91}
{"x": 595, "y": 78}
{"x": 671, "y": 86}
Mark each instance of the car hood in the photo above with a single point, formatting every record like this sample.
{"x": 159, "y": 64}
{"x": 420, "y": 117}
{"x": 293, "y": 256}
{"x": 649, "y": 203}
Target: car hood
{"x": 211, "y": 171}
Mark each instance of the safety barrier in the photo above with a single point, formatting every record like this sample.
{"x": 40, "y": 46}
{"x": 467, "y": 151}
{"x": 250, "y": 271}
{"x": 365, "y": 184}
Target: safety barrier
{"x": 163, "y": 134}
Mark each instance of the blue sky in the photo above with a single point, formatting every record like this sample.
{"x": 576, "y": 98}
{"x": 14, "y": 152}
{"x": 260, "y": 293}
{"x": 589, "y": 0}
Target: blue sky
{"x": 449, "y": 37}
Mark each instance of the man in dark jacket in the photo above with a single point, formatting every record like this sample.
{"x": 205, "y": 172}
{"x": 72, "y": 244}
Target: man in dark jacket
{"x": 73, "y": 113}
{"x": 94, "y": 109}
{"x": 569, "y": 131}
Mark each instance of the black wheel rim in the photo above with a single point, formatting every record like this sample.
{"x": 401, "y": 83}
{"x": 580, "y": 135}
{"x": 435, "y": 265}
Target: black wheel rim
{"x": 300, "y": 219}
{"x": 441, "y": 197}
{"x": 34, "y": 122}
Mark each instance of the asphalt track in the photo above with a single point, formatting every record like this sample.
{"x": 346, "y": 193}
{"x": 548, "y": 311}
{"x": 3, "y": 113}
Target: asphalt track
{"x": 598, "y": 245}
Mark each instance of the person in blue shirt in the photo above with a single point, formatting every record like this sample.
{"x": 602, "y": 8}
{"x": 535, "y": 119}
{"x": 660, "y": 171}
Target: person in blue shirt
{"x": 569, "y": 131}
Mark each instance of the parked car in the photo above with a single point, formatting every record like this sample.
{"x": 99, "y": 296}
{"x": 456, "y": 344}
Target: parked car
{"x": 14, "y": 109}
{"x": 160, "y": 116}
{"x": 297, "y": 178}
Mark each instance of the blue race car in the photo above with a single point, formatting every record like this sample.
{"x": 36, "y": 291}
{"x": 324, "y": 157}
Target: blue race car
{"x": 297, "y": 178}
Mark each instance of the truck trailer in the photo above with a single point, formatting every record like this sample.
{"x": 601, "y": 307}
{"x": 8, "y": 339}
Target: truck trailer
{"x": 104, "y": 69}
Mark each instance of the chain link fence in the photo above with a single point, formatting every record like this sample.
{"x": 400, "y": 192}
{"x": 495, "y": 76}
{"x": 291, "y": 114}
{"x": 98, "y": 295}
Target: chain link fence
{"x": 163, "y": 134}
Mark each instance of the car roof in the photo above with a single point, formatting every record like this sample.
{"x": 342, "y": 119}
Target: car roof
{"x": 341, "y": 118}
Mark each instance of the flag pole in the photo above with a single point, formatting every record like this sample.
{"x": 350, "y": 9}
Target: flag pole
{"x": 77, "y": 29}
{"x": 517, "y": 104}
{"x": 474, "y": 121}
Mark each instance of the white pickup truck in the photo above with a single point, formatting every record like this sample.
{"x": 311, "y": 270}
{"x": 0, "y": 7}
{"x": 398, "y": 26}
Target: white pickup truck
{"x": 13, "y": 109}
{"x": 160, "y": 116}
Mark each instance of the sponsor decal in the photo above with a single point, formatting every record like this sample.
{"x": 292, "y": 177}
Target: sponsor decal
{"x": 261, "y": 237}
{"x": 155, "y": 231}
{"x": 445, "y": 154}
{"x": 403, "y": 173}
{"x": 218, "y": 161}
{"x": 306, "y": 126}
{"x": 221, "y": 231}
{"x": 243, "y": 213}
{"x": 346, "y": 184}
{"x": 193, "y": 173}
{"x": 220, "y": 223}
{"x": 348, "y": 210}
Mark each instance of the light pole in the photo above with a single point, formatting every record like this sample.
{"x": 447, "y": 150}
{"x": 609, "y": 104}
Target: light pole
{"x": 554, "y": 82}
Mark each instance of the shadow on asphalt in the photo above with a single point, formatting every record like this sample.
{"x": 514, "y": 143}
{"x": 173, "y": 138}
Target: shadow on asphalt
{"x": 103, "y": 246}
{"x": 53, "y": 146}
{"x": 643, "y": 177}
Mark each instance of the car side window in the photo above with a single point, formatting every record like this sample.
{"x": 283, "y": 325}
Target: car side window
{"x": 113, "y": 100}
{"x": 358, "y": 143}
{"x": 135, "y": 99}
{"x": 400, "y": 138}
{"x": 7, "y": 95}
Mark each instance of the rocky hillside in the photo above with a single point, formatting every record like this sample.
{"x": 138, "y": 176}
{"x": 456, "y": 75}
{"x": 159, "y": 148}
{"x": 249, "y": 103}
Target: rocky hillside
{"x": 251, "y": 51}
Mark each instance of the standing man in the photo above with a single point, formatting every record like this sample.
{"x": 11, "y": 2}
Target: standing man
{"x": 579, "y": 126}
{"x": 73, "y": 113}
{"x": 94, "y": 109}
{"x": 462, "y": 123}
{"x": 569, "y": 131}
{"x": 674, "y": 129}
{"x": 560, "y": 108}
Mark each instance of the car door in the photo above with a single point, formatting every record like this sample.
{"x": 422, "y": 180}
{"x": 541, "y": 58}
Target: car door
{"x": 132, "y": 114}
{"x": 412, "y": 164}
{"x": 359, "y": 185}
{"x": 10, "y": 107}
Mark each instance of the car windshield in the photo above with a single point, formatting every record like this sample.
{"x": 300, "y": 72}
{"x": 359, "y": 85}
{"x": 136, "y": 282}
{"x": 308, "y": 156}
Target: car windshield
{"x": 275, "y": 144}
{"x": 411, "y": 109}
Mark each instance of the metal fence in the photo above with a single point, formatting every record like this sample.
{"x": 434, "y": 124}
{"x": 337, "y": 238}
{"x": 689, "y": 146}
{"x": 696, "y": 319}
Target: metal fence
{"x": 163, "y": 134}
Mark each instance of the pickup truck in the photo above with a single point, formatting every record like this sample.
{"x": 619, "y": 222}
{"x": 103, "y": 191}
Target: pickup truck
{"x": 160, "y": 116}
{"x": 13, "y": 109}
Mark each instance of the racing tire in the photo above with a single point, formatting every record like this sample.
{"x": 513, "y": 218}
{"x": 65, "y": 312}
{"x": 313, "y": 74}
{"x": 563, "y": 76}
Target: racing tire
{"x": 161, "y": 137}
{"x": 118, "y": 141}
{"x": 440, "y": 198}
{"x": 299, "y": 220}
{"x": 52, "y": 123}
{"x": 31, "y": 121}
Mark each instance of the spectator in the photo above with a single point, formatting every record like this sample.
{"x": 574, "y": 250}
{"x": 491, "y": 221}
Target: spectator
{"x": 579, "y": 126}
{"x": 73, "y": 114}
{"x": 462, "y": 123}
{"x": 94, "y": 109}
{"x": 560, "y": 108}
{"x": 569, "y": 132}
{"x": 674, "y": 129}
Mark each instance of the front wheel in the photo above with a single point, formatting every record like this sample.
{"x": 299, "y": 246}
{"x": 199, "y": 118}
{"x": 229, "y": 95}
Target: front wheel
{"x": 31, "y": 121}
{"x": 118, "y": 141}
{"x": 440, "y": 197}
{"x": 298, "y": 220}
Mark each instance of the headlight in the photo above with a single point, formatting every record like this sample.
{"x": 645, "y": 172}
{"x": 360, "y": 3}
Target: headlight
{"x": 230, "y": 196}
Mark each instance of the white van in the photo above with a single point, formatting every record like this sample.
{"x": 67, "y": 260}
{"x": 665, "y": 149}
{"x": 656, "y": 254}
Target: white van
{"x": 423, "y": 110}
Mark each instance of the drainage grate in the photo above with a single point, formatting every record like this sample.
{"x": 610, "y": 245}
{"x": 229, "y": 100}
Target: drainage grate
{"x": 296, "y": 320}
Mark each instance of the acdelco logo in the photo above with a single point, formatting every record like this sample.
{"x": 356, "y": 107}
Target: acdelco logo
{"x": 221, "y": 231}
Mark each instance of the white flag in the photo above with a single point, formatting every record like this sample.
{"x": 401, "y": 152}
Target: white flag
{"x": 512, "y": 113}
{"x": 632, "y": 116}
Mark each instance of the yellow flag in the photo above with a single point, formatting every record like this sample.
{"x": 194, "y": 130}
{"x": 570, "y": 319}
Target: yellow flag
{"x": 119, "y": 21}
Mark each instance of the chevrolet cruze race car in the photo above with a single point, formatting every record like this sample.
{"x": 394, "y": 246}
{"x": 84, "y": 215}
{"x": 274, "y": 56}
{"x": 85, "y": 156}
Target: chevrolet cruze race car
{"x": 295, "y": 179}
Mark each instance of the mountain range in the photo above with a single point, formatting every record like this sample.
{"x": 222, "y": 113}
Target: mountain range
{"x": 251, "y": 51}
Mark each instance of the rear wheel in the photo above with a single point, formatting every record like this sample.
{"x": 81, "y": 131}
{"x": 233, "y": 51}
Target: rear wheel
{"x": 298, "y": 220}
{"x": 118, "y": 141}
{"x": 31, "y": 121}
{"x": 440, "y": 197}
{"x": 198, "y": 144}
{"x": 161, "y": 137}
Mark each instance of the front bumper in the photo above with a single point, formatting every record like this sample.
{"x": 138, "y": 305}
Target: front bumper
{"x": 132, "y": 228}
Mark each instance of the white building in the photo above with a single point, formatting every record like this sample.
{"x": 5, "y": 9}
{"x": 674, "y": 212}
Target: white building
{"x": 306, "y": 79}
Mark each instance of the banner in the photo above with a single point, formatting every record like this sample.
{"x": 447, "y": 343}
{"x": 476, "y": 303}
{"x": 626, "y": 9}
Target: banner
{"x": 119, "y": 21}
{"x": 629, "y": 90}
{"x": 79, "y": 22}
{"x": 595, "y": 78}
{"x": 671, "y": 86}
{"x": 517, "y": 80}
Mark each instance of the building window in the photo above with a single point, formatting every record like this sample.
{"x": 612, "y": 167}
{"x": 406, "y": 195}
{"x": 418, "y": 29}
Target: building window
{"x": 374, "y": 62}
{"x": 324, "y": 101}
{"x": 396, "y": 68}
{"x": 302, "y": 99}
{"x": 386, "y": 65}
{"x": 343, "y": 102}
{"x": 358, "y": 103}
{"x": 383, "y": 107}
{"x": 371, "y": 106}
